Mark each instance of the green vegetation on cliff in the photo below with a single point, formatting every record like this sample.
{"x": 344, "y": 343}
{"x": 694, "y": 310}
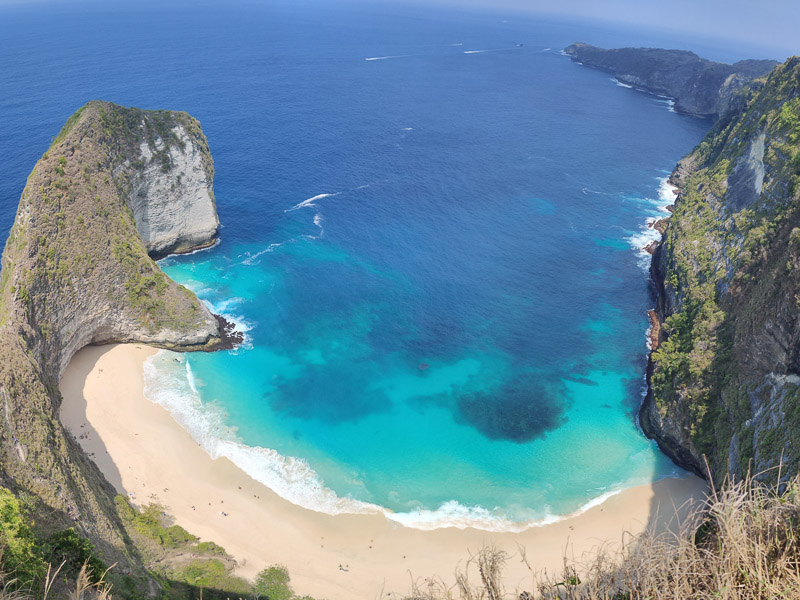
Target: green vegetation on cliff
{"x": 726, "y": 374}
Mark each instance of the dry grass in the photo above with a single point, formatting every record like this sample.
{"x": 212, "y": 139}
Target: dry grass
{"x": 743, "y": 544}
{"x": 81, "y": 589}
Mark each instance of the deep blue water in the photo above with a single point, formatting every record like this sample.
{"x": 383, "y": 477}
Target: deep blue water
{"x": 435, "y": 254}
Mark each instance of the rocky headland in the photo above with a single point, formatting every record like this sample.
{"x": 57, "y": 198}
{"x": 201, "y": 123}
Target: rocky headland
{"x": 117, "y": 186}
{"x": 700, "y": 87}
{"x": 725, "y": 371}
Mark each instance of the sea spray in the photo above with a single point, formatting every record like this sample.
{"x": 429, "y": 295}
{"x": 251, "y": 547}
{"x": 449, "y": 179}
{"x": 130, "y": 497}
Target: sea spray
{"x": 666, "y": 195}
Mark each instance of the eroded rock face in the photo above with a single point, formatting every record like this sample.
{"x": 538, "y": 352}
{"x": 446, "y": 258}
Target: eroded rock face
{"x": 700, "y": 87}
{"x": 174, "y": 206}
{"x": 746, "y": 180}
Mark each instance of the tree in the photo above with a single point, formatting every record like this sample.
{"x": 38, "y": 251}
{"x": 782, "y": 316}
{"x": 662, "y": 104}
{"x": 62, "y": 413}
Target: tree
{"x": 273, "y": 584}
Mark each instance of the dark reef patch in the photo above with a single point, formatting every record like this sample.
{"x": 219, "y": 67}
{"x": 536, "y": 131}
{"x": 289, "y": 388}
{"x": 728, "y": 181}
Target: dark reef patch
{"x": 309, "y": 396}
{"x": 520, "y": 411}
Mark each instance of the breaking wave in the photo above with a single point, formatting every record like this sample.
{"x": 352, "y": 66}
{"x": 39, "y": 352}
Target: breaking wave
{"x": 639, "y": 241}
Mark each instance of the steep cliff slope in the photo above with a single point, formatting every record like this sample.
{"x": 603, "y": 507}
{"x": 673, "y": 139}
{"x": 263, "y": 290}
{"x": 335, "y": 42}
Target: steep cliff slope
{"x": 725, "y": 376}
{"x": 75, "y": 271}
{"x": 700, "y": 87}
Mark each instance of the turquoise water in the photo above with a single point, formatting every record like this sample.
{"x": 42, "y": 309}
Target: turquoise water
{"x": 435, "y": 256}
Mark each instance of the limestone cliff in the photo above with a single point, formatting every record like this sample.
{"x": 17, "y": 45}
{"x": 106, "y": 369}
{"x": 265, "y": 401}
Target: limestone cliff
{"x": 76, "y": 271}
{"x": 725, "y": 375}
{"x": 171, "y": 193}
{"x": 700, "y": 87}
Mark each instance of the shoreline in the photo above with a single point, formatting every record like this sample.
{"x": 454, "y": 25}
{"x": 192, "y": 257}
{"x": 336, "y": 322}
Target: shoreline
{"x": 145, "y": 454}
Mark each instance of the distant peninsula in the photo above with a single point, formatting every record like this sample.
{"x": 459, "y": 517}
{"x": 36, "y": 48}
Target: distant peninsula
{"x": 701, "y": 88}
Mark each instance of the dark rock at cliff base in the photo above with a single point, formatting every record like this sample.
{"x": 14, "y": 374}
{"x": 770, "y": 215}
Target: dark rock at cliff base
{"x": 229, "y": 336}
{"x": 661, "y": 225}
{"x": 651, "y": 247}
{"x": 700, "y": 87}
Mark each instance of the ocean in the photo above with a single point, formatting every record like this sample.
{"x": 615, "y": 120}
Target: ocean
{"x": 432, "y": 232}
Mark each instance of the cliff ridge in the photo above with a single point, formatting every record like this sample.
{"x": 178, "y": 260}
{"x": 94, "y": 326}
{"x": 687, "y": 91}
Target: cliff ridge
{"x": 725, "y": 372}
{"x": 700, "y": 87}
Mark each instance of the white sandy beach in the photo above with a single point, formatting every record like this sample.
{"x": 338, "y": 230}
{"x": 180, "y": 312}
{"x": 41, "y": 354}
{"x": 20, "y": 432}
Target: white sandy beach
{"x": 147, "y": 456}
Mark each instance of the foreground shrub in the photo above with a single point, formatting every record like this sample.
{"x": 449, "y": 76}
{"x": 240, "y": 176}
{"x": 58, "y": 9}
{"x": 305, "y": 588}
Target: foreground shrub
{"x": 73, "y": 552}
{"x": 20, "y": 557}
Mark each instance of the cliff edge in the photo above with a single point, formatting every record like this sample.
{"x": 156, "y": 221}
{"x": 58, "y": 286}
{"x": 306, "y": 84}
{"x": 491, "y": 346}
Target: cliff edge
{"x": 725, "y": 372}
{"x": 700, "y": 87}
{"x": 117, "y": 185}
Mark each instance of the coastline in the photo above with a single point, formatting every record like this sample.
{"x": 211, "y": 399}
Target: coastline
{"x": 148, "y": 457}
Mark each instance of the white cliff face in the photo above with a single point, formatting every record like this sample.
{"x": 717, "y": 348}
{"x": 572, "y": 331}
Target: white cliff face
{"x": 174, "y": 209}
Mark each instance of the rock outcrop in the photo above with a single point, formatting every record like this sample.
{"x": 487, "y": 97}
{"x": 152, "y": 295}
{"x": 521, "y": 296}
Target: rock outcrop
{"x": 172, "y": 195}
{"x": 76, "y": 271}
{"x": 700, "y": 87}
{"x": 725, "y": 370}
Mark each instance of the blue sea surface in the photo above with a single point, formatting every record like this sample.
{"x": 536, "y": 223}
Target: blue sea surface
{"x": 432, "y": 231}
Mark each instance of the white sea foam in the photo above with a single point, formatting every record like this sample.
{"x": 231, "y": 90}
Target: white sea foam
{"x": 318, "y": 222}
{"x": 667, "y": 193}
{"x": 190, "y": 377}
{"x": 388, "y": 57}
{"x": 251, "y": 258}
{"x": 489, "y": 50}
{"x": 293, "y": 478}
{"x": 668, "y": 102}
{"x": 641, "y": 240}
{"x": 454, "y": 514}
{"x": 649, "y": 343}
{"x": 588, "y": 191}
{"x": 227, "y": 304}
{"x": 310, "y": 201}
{"x": 457, "y": 44}
{"x": 620, "y": 84}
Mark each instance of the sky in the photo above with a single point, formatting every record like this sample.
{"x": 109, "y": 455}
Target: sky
{"x": 772, "y": 24}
